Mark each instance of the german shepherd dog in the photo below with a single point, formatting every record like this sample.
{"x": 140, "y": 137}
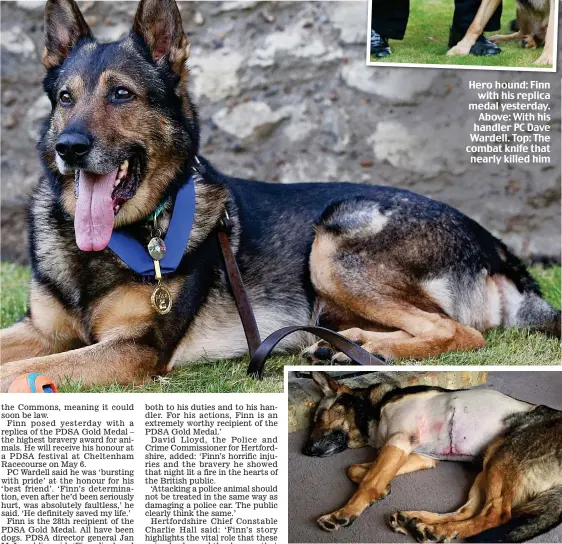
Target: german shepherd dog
{"x": 403, "y": 275}
{"x": 535, "y": 19}
{"x": 518, "y": 494}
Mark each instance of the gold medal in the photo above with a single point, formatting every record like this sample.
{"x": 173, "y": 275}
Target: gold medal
{"x": 161, "y": 299}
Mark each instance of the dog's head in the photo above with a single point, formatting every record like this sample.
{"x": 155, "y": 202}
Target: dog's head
{"x": 335, "y": 428}
{"x": 345, "y": 417}
{"x": 122, "y": 126}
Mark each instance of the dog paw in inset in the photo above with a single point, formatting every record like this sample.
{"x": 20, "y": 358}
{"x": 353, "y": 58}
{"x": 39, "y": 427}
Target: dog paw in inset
{"x": 528, "y": 42}
{"x": 543, "y": 60}
{"x": 459, "y": 49}
{"x": 397, "y": 522}
{"x": 424, "y": 533}
{"x": 332, "y": 522}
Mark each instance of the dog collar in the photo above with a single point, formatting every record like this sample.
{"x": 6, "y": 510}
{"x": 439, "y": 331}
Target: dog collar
{"x": 135, "y": 255}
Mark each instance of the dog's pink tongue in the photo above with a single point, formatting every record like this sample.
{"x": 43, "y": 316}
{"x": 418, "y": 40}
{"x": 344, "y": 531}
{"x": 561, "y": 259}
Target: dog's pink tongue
{"x": 93, "y": 222}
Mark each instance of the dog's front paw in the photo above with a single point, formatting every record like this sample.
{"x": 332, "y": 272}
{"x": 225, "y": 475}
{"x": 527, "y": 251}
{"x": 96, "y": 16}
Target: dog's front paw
{"x": 341, "y": 358}
{"x": 332, "y": 522}
{"x": 529, "y": 42}
{"x": 543, "y": 60}
{"x": 424, "y": 533}
{"x": 5, "y": 384}
{"x": 397, "y": 522}
{"x": 459, "y": 49}
{"x": 321, "y": 352}
{"x": 10, "y": 372}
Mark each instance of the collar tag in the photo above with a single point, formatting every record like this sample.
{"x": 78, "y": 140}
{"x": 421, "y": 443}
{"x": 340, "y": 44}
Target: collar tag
{"x": 135, "y": 255}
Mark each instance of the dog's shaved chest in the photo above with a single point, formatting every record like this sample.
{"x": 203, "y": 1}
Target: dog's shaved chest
{"x": 448, "y": 425}
{"x": 217, "y": 333}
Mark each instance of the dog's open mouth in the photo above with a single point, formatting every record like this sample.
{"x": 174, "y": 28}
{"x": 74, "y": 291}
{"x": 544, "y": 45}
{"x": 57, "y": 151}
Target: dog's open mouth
{"x": 99, "y": 199}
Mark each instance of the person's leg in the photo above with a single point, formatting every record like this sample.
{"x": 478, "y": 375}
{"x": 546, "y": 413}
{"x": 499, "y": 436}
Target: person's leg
{"x": 389, "y": 19}
{"x": 469, "y": 14}
{"x": 465, "y": 12}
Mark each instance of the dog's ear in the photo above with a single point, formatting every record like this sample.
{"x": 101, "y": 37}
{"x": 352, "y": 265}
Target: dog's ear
{"x": 378, "y": 391}
{"x": 64, "y": 28}
{"x": 328, "y": 385}
{"x": 159, "y": 24}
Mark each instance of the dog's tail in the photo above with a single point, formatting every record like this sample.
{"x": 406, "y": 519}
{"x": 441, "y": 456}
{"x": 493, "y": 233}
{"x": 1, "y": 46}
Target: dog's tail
{"x": 528, "y": 521}
{"x": 522, "y": 300}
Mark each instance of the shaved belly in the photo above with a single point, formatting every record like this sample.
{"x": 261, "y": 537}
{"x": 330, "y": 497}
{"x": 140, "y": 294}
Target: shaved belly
{"x": 456, "y": 425}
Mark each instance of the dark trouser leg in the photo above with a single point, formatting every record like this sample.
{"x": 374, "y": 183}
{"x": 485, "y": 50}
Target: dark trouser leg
{"x": 389, "y": 18}
{"x": 465, "y": 11}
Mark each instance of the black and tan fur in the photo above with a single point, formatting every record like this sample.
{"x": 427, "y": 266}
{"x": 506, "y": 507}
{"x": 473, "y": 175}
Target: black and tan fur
{"x": 402, "y": 274}
{"x": 517, "y": 496}
{"x": 536, "y": 20}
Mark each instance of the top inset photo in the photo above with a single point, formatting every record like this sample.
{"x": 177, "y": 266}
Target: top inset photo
{"x": 519, "y": 35}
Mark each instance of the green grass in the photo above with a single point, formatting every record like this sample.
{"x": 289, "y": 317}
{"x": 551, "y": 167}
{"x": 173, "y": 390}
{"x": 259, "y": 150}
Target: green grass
{"x": 14, "y": 282}
{"x": 210, "y": 377}
{"x": 504, "y": 347}
{"x": 427, "y": 36}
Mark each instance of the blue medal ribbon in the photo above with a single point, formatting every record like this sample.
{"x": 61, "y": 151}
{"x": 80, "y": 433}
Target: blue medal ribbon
{"x": 136, "y": 256}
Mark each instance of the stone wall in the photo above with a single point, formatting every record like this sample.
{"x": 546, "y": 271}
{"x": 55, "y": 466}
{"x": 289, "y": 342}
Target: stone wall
{"x": 284, "y": 95}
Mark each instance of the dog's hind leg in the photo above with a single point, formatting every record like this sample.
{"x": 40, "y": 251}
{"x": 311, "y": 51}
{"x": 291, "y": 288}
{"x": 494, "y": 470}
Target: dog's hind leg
{"x": 374, "y": 485}
{"x": 415, "y": 462}
{"x": 405, "y": 521}
{"x": 422, "y": 334}
{"x": 321, "y": 350}
{"x": 380, "y": 291}
{"x": 432, "y": 335}
{"x": 498, "y": 498}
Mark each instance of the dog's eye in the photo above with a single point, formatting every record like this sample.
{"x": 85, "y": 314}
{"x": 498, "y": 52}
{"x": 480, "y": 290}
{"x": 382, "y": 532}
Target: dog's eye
{"x": 65, "y": 99}
{"x": 122, "y": 94}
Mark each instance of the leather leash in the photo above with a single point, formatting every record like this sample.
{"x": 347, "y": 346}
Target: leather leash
{"x": 260, "y": 351}
{"x": 238, "y": 290}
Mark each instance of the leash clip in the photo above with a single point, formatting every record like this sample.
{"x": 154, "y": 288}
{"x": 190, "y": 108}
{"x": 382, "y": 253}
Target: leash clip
{"x": 199, "y": 166}
{"x": 225, "y": 223}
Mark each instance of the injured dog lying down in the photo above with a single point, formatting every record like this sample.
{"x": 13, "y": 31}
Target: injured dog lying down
{"x": 403, "y": 275}
{"x": 518, "y": 494}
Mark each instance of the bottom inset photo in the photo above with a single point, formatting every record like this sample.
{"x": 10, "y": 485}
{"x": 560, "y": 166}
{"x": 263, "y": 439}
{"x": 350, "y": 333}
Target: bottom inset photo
{"x": 426, "y": 456}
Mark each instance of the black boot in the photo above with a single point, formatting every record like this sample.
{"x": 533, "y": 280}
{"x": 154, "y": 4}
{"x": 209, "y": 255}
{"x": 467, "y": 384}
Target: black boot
{"x": 379, "y": 45}
{"x": 482, "y": 47}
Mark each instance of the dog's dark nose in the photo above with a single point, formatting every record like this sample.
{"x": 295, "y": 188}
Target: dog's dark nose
{"x": 311, "y": 450}
{"x": 328, "y": 444}
{"x": 73, "y": 145}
